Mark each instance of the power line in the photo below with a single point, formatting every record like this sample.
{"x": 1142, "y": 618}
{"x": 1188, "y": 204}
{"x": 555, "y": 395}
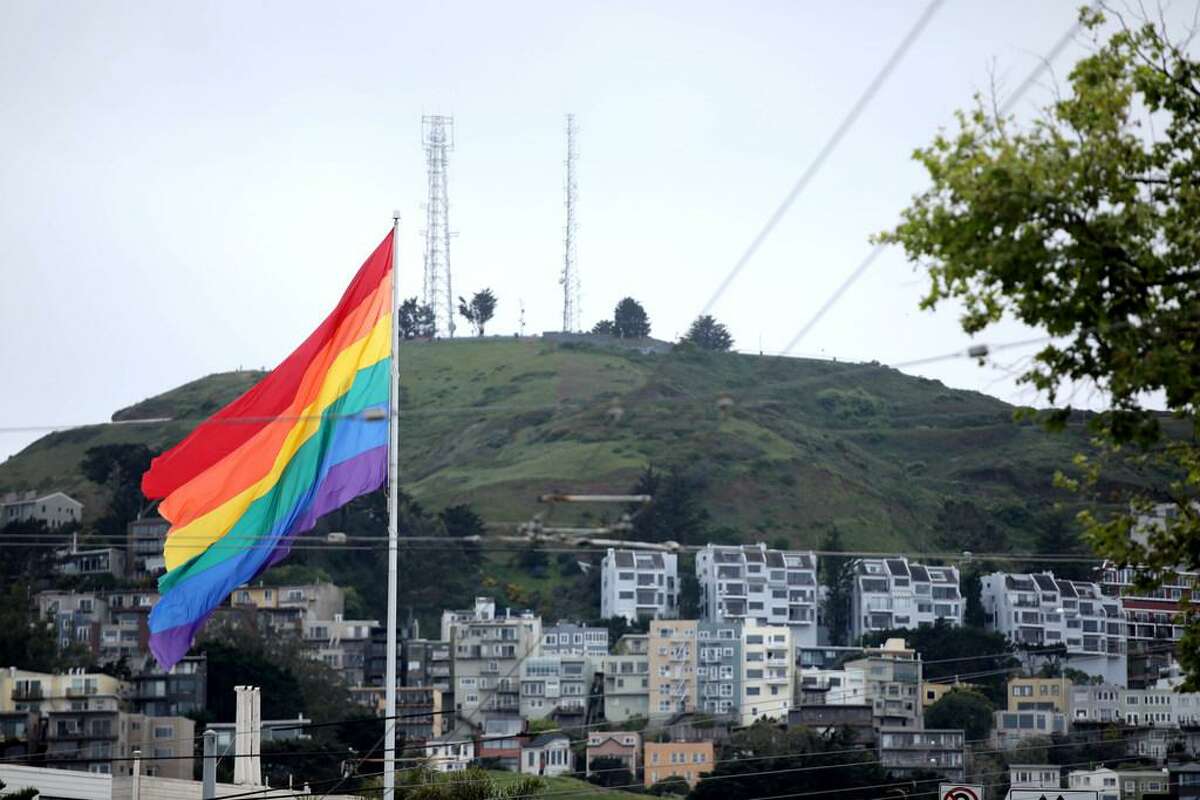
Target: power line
{"x": 838, "y": 134}
{"x": 866, "y": 263}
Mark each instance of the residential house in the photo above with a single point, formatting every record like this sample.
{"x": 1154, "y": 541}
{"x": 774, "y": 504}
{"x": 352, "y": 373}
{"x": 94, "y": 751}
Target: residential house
{"x": 893, "y": 681}
{"x": 673, "y": 664}
{"x": 555, "y": 685}
{"x": 752, "y": 582}
{"x": 1104, "y": 781}
{"x": 571, "y": 639}
{"x": 719, "y": 671}
{"x": 1010, "y": 727}
{"x": 1184, "y": 781}
{"x": 449, "y": 755}
{"x": 1143, "y": 784}
{"x": 624, "y": 746}
{"x": 91, "y": 562}
{"x": 144, "y": 538}
{"x": 859, "y": 720}
{"x": 767, "y": 671}
{"x": 488, "y": 650}
{"x": 626, "y": 687}
{"x": 932, "y": 691}
{"x": 894, "y": 593}
{"x": 285, "y": 609}
{"x": 1041, "y": 611}
{"x": 341, "y": 644}
{"x": 688, "y": 760}
{"x": 1034, "y": 776}
{"x": 831, "y": 686}
{"x": 905, "y": 752}
{"x": 1039, "y": 694}
{"x": 180, "y": 691}
{"x": 54, "y": 509}
{"x": 1135, "y": 707}
{"x": 547, "y": 755}
{"x": 639, "y": 585}
{"x": 103, "y": 739}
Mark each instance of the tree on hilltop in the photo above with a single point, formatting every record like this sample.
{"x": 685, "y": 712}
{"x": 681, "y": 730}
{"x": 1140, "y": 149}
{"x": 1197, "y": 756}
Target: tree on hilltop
{"x": 708, "y": 334}
{"x": 479, "y": 311}
{"x": 630, "y": 320}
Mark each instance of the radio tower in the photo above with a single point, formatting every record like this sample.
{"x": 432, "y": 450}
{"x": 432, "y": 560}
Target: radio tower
{"x": 437, "y": 135}
{"x": 570, "y": 273}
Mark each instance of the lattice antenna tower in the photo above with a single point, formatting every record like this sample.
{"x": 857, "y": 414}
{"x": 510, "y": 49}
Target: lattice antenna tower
{"x": 437, "y": 135}
{"x": 570, "y": 272}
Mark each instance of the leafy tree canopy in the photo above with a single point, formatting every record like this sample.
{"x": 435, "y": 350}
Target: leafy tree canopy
{"x": 962, "y": 708}
{"x": 604, "y": 326}
{"x": 416, "y": 320}
{"x": 950, "y": 651}
{"x": 674, "y": 513}
{"x": 118, "y": 468}
{"x": 708, "y": 334}
{"x": 479, "y": 311}
{"x": 1082, "y": 223}
{"x": 630, "y": 320}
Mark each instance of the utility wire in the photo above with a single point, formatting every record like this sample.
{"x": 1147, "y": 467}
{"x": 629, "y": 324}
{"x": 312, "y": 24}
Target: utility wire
{"x": 838, "y": 134}
{"x": 866, "y": 263}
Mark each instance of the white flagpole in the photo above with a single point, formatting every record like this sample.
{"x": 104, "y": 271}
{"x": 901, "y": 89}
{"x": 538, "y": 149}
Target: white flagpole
{"x": 389, "y": 729}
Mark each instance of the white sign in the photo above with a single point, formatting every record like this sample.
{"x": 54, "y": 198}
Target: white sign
{"x": 961, "y": 791}
{"x": 1051, "y": 794}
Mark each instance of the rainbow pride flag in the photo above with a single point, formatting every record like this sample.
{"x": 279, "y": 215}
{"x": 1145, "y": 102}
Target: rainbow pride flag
{"x": 306, "y": 439}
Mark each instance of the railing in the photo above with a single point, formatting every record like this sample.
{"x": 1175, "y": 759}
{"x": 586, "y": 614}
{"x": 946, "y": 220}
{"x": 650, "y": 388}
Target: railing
{"x": 27, "y": 693}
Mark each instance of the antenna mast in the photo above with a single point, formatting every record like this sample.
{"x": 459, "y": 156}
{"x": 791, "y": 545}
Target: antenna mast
{"x": 437, "y": 135}
{"x": 570, "y": 273}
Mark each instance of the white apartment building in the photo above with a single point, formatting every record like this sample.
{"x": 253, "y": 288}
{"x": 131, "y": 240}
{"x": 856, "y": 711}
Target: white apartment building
{"x": 896, "y": 594}
{"x": 1034, "y": 776}
{"x": 767, "y": 672}
{"x": 1103, "y": 781}
{"x": 831, "y": 687}
{"x": 488, "y": 650}
{"x": 552, "y": 684}
{"x": 1137, "y": 707}
{"x": 1040, "y": 610}
{"x": 54, "y": 509}
{"x": 752, "y": 583}
{"x": 570, "y": 639}
{"x": 639, "y": 585}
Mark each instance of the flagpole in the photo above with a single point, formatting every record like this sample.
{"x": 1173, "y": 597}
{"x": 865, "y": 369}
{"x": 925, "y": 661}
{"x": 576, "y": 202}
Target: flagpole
{"x": 389, "y": 725}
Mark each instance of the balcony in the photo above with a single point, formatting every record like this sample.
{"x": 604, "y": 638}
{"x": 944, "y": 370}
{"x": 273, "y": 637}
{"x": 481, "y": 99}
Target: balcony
{"x": 82, "y": 691}
{"x": 27, "y": 693}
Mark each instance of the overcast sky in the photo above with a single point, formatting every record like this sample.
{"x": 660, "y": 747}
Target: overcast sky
{"x": 187, "y": 187}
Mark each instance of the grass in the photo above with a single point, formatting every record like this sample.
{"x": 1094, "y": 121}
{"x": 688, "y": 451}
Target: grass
{"x": 805, "y": 444}
{"x": 565, "y": 787}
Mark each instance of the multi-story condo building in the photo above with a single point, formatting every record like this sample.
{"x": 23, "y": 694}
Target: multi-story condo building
{"x": 831, "y": 687}
{"x": 751, "y": 582}
{"x": 488, "y": 650}
{"x": 1134, "y": 707}
{"x": 54, "y": 509}
{"x": 108, "y": 624}
{"x": 767, "y": 672}
{"x": 424, "y": 662}
{"x": 179, "y": 691}
{"x": 893, "y": 682}
{"x": 555, "y": 685}
{"x": 720, "y": 656}
{"x": 571, "y": 639}
{"x": 896, "y": 594}
{"x": 633, "y": 644}
{"x": 419, "y": 713}
{"x": 285, "y": 609}
{"x": 1039, "y": 694}
{"x": 673, "y": 663}
{"x": 341, "y": 644}
{"x": 1041, "y": 611}
{"x": 906, "y": 752}
{"x": 144, "y": 539}
{"x": 639, "y": 585}
{"x": 626, "y": 686}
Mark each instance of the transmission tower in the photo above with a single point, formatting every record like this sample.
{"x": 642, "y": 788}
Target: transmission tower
{"x": 570, "y": 272}
{"x": 437, "y": 135}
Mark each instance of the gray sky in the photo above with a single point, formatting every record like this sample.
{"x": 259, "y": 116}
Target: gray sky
{"x": 187, "y": 187}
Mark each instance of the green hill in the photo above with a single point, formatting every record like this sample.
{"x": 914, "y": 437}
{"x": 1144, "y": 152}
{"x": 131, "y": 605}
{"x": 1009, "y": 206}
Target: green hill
{"x": 783, "y": 446}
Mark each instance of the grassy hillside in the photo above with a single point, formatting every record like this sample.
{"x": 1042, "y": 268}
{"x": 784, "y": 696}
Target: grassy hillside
{"x": 794, "y": 444}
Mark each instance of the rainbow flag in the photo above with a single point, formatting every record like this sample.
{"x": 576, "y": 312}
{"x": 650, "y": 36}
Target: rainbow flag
{"x": 303, "y": 441}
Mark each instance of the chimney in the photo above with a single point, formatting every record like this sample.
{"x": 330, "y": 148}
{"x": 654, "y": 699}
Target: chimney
{"x": 247, "y": 737}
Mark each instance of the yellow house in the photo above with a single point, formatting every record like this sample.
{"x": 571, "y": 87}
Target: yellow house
{"x": 1039, "y": 694}
{"x": 688, "y": 760}
{"x": 931, "y": 692}
{"x": 24, "y": 690}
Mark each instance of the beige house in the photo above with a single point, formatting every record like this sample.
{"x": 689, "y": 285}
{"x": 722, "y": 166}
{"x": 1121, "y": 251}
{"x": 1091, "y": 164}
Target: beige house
{"x": 1040, "y": 694}
{"x": 672, "y": 650}
{"x": 54, "y": 509}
